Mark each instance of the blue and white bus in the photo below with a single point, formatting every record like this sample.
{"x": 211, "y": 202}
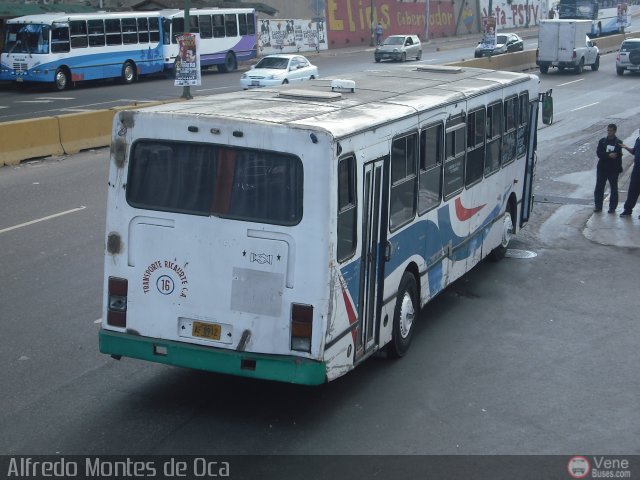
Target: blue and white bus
{"x": 60, "y": 48}
{"x": 606, "y": 19}
{"x": 227, "y": 36}
{"x": 289, "y": 234}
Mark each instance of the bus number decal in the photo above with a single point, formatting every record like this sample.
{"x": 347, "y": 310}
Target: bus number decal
{"x": 169, "y": 274}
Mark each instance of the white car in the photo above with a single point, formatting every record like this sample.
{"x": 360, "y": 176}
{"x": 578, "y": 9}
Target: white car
{"x": 278, "y": 69}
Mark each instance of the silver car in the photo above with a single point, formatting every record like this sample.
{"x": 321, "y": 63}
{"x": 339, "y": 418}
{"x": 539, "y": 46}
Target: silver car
{"x": 399, "y": 48}
{"x": 279, "y": 69}
{"x": 628, "y": 57}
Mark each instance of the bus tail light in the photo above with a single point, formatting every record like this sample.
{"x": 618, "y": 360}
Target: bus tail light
{"x": 117, "y": 302}
{"x": 301, "y": 327}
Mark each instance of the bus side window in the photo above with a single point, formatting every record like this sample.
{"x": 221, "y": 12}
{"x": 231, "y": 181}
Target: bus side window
{"x": 454, "y": 162}
{"x": 494, "y": 132}
{"x": 218, "y": 26}
{"x": 402, "y": 201}
{"x": 251, "y": 24}
{"x": 509, "y": 135}
{"x": 523, "y": 121}
{"x": 347, "y": 212}
{"x": 129, "y": 31}
{"x": 60, "y": 38}
{"x": 143, "y": 30}
{"x": 242, "y": 20}
{"x": 474, "y": 167}
{"x": 78, "y": 30}
{"x": 231, "y": 25}
{"x": 430, "y": 177}
{"x": 154, "y": 30}
{"x": 96, "y": 33}
{"x": 114, "y": 31}
{"x": 206, "y": 29}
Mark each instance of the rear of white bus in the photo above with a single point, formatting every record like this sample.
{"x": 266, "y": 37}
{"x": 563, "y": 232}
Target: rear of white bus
{"x": 217, "y": 247}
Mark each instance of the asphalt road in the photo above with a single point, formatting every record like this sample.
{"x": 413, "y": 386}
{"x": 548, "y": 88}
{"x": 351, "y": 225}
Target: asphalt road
{"x": 34, "y": 100}
{"x": 526, "y": 356}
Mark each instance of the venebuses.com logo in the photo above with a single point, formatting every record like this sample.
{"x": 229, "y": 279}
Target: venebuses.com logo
{"x": 599, "y": 467}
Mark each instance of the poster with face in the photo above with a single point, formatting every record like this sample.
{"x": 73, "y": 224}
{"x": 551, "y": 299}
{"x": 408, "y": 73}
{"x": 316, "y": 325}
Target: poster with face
{"x": 188, "y": 62}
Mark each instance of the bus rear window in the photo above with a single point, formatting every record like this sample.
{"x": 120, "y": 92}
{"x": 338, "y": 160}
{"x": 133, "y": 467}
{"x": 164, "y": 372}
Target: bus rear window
{"x": 205, "y": 179}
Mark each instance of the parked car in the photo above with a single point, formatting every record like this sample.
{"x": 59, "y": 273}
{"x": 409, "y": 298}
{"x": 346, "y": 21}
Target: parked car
{"x": 278, "y": 69}
{"x": 399, "y": 48}
{"x": 505, "y": 43}
{"x": 628, "y": 57}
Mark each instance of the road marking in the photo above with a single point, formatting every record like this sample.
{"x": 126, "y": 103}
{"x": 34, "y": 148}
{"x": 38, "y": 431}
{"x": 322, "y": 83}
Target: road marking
{"x": 49, "y": 217}
{"x": 585, "y": 106}
{"x": 569, "y": 83}
{"x": 34, "y": 101}
{"x": 217, "y": 88}
{"x": 56, "y": 98}
{"x": 98, "y": 321}
{"x": 2, "y": 106}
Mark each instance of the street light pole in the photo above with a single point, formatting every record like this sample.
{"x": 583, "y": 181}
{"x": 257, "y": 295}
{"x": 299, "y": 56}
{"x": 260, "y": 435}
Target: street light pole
{"x": 186, "y": 89}
{"x": 371, "y": 24}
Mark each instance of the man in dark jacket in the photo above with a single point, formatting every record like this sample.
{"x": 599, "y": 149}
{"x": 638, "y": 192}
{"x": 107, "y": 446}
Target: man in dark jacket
{"x": 609, "y": 153}
{"x": 634, "y": 184}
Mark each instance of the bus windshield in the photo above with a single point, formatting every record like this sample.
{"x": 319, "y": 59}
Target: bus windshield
{"x": 26, "y": 38}
{"x": 576, "y": 9}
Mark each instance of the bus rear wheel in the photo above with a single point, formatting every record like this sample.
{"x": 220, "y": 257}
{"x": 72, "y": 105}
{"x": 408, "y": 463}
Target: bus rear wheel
{"x": 128, "y": 72}
{"x": 229, "y": 64}
{"x": 500, "y": 251}
{"x": 61, "y": 79}
{"x": 404, "y": 317}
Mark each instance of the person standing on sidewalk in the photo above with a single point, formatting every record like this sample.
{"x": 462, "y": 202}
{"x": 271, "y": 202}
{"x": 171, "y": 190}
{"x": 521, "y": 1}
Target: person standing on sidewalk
{"x": 609, "y": 153}
{"x": 379, "y": 32}
{"x": 634, "y": 183}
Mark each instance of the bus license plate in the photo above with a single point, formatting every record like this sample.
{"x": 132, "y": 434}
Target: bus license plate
{"x": 210, "y": 331}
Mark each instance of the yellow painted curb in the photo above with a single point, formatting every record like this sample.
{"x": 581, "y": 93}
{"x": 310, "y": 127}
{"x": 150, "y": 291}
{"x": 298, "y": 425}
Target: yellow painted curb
{"x": 24, "y": 139}
{"x": 79, "y": 131}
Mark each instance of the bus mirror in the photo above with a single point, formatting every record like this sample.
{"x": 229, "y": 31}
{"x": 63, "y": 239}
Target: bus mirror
{"x": 547, "y": 109}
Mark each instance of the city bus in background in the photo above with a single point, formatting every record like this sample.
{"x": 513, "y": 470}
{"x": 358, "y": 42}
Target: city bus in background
{"x": 227, "y": 36}
{"x": 62, "y": 49}
{"x": 606, "y": 17}
{"x": 290, "y": 234}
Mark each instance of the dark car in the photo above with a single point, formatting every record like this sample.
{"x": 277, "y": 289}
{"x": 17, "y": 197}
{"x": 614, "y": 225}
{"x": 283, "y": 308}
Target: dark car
{"x": 505, "y": 43}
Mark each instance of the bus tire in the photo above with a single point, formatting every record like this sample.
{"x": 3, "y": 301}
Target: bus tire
{"x": 404, "y": 317}
{"x": 61, "y": 79}
{"x": 500, "y": 251}
{"x": 596, "y": 64}
{"x": 229, "y": 64}
{"x": 128, "y": 72}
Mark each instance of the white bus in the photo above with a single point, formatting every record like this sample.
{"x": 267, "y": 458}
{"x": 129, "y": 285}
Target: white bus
{"x": 227, "y": 35}
{"x": 61, "y": 48}
{"x": 288, "y": 234}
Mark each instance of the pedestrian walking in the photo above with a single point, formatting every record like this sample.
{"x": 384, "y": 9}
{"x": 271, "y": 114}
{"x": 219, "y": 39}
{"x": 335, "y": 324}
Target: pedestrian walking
{"x": 609, "y": 166}
{"x": 634, "y": 183}
{"x": 379, "y": 32}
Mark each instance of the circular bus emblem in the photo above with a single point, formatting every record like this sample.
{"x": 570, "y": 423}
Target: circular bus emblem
{"x": 578, "y": 467}
{"x": 165, "y": 284}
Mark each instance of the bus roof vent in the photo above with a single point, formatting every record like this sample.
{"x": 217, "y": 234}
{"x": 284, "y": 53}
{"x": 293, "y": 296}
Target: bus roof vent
{"x": 439, "y": 69}
{"x": 309, "y": 95}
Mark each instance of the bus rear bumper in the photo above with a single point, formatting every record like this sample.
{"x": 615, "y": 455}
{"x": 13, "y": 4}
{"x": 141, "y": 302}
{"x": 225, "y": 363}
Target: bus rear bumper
{"x": 253, "y": 365}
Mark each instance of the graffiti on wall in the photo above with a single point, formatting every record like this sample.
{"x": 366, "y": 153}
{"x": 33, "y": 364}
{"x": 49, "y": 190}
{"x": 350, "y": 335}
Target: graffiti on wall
{"x": 353, "y": 22}
{"x": 518, "y": 13}
{"x": 291, "y": 36}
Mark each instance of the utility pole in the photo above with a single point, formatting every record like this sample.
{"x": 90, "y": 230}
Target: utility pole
{"x": 186, "y": 89}
{"x": 371, "y": 24}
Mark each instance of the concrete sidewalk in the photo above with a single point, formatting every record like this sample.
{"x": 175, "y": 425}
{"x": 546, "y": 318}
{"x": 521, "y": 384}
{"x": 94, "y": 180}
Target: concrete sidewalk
{"x": 609, "y": 228}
